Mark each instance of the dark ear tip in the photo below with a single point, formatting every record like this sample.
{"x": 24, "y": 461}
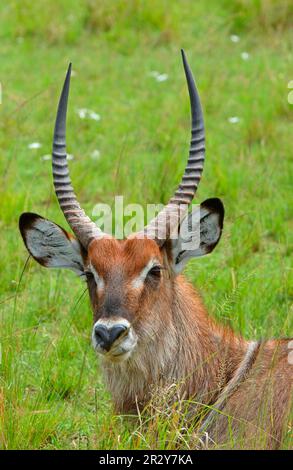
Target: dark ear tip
{"x": 26, "y": 219}
{"x": 215, "y": 204}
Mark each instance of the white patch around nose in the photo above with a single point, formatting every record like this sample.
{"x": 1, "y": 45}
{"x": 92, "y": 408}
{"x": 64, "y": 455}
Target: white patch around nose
{"x": 137, "y": 283}
{"x": 110, "y": 322}
{"x": 123, "y": 347}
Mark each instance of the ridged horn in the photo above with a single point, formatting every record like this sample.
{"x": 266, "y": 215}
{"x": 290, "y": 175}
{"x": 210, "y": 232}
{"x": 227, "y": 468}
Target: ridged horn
{"x": 82, "y": 226}
{"x": 168, "y": 220}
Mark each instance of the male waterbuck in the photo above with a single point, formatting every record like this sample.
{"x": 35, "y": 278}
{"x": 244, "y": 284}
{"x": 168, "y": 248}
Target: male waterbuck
{"x": 150, "y": 326}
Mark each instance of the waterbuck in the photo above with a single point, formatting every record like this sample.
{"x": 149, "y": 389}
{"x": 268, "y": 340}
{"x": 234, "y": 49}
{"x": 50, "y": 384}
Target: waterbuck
{"x": 150, "y": 326}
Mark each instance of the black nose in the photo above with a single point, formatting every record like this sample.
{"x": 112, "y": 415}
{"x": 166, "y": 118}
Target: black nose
{"x": 107, "y": 336}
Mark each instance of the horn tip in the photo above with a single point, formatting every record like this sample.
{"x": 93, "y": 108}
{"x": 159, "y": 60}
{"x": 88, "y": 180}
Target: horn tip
{"x": 67, "y": 80}
{"x": 183, "y": 55}
{"x": 69, "y": 68}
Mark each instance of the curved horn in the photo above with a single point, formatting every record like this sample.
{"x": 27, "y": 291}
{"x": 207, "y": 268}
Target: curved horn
{"x": 169, "y": 218}
{"x": 82, "y": 226}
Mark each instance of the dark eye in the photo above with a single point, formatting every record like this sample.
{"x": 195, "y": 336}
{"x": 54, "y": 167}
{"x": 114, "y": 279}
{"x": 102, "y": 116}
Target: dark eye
{"x": 89, "y": 275}
{"x": 155, "y": 272}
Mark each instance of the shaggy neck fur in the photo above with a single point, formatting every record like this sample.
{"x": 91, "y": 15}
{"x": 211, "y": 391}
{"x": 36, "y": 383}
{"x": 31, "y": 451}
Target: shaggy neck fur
{"x": 182, "y": 346}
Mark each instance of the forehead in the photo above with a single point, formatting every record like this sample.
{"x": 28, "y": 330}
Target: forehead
{"x": 132, "y": 255}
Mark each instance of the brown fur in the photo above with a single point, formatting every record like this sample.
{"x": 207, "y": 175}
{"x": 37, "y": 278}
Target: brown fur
{"x": 178, "y": 342}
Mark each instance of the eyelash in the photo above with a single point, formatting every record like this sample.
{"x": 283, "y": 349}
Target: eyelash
{"x": 88, "y": 275}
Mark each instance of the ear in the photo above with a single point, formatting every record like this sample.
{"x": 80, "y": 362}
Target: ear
{"x": 49, "y": 244}
{"x": 199, "y": 233}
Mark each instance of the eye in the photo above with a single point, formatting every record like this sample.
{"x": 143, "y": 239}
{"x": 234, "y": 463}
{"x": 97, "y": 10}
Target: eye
{"x": 89, "y": 275}
{"x": 155, "y": 272}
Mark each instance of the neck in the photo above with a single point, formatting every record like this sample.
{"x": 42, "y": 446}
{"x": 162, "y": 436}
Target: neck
{"x": 184, "y": 346}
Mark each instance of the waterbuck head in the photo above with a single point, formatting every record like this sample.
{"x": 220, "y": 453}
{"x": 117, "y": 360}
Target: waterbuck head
{"x": 130, "y": 281}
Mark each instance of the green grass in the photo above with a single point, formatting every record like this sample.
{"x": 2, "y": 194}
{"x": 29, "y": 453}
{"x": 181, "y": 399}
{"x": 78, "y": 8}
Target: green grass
{"x": 51, "y": 388}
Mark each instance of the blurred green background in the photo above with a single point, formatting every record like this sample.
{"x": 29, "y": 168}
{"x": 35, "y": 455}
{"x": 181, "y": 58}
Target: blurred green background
{"x": 128, "y": 72}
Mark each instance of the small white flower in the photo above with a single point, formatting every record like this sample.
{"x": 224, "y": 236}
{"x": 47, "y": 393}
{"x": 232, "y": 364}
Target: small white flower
{"x": 162, "y": 77}
{"x": 69, "y": 156}
{"x": 94, "y": 116}
{"x": 233, "y": 119}
{"x": 95, "y": 155}
{"x": 88, "y": 113}
{"x": 46, "y": 157}
{"x": 245, "y": 55}
{"x": 34, "y": 145}
{"x": 234, "y": 38}
{"x": 81, "y": 112}
{"x": 159, "y": 77}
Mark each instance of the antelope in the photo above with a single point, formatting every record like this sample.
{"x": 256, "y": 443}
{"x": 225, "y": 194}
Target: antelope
{"x": 150, "y": 326}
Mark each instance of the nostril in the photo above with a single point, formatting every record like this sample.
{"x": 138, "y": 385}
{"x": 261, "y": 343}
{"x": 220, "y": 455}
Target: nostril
{"x": 116, "y": 331}
{"x": 102, "y": 336}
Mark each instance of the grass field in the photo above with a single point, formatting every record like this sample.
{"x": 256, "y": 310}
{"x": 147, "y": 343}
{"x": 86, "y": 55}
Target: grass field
{"x": 51, "y": 389}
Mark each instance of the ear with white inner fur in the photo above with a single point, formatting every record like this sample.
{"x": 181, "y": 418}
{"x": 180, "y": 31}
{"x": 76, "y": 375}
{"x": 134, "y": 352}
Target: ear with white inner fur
{"x": 49, "y": 244}
{"x": 199, "y": 233}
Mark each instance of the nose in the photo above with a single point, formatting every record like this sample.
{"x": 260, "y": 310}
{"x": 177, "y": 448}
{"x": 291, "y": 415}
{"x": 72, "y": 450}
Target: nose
{"x": 106, "y": 336}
